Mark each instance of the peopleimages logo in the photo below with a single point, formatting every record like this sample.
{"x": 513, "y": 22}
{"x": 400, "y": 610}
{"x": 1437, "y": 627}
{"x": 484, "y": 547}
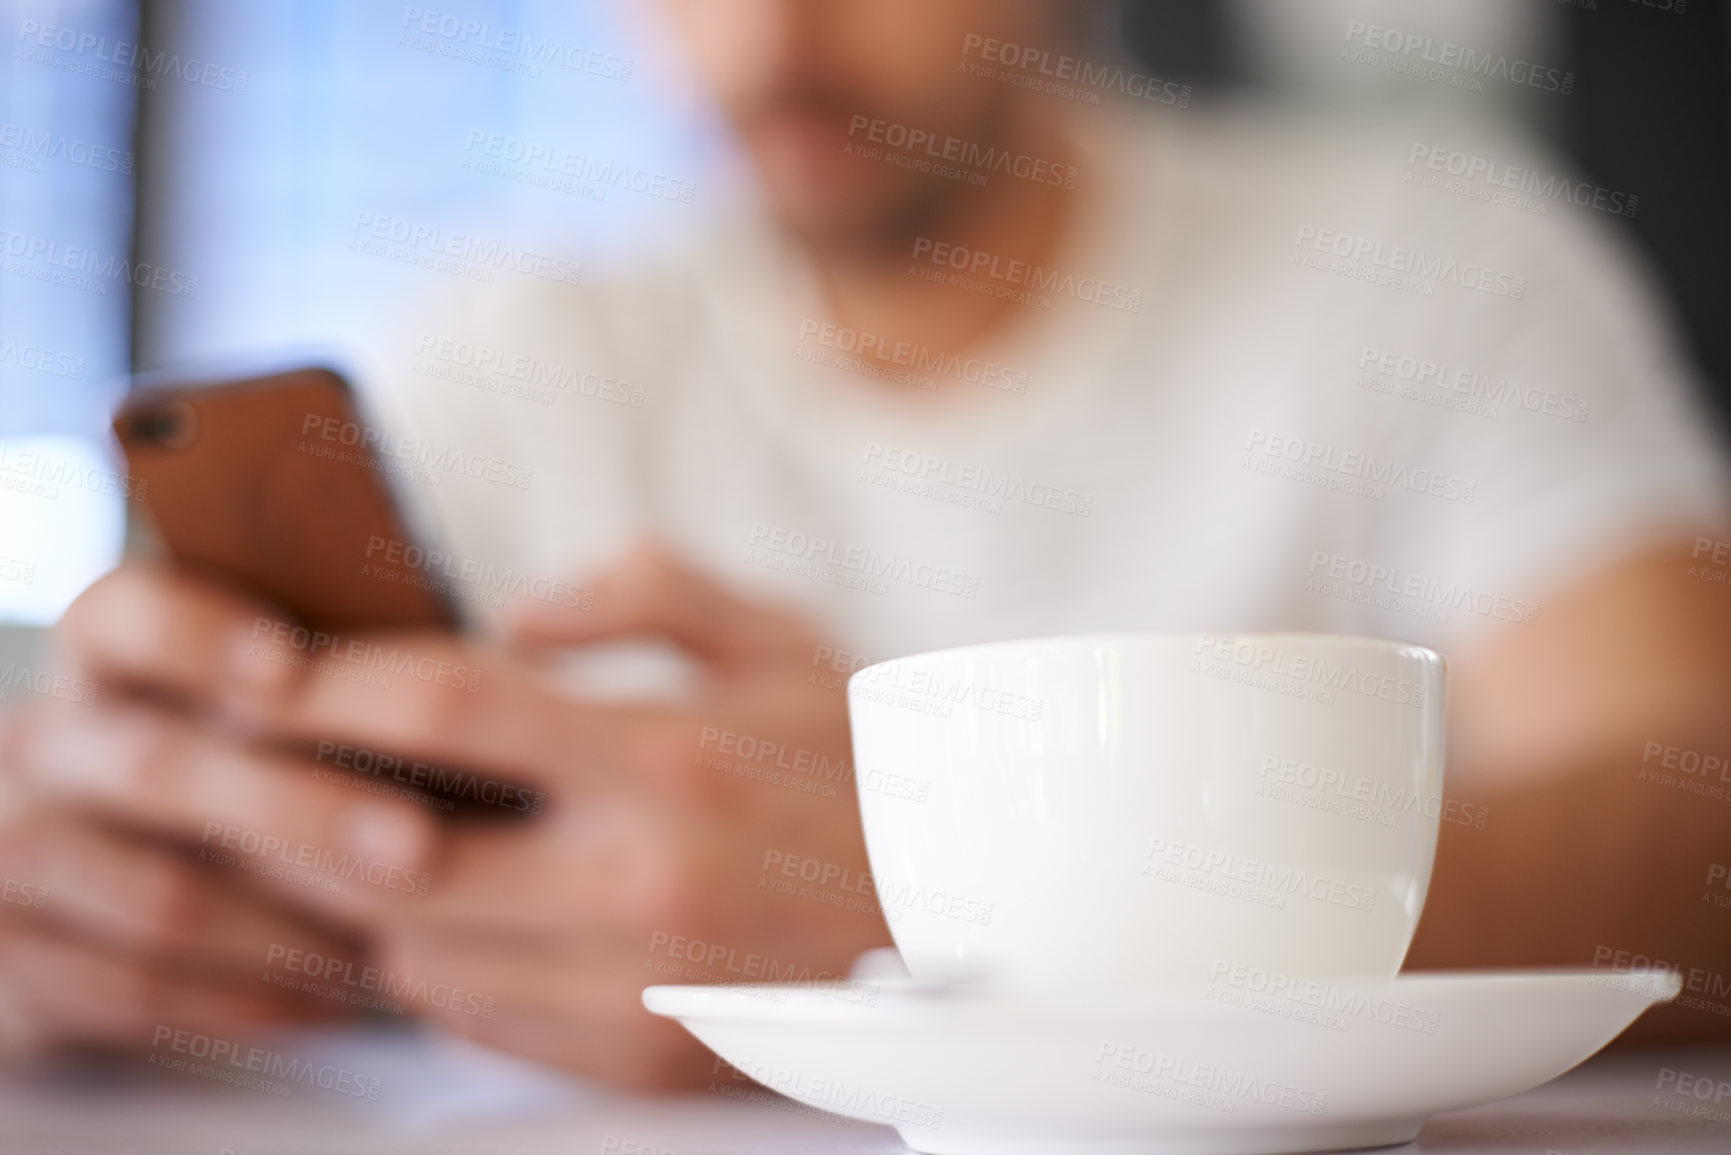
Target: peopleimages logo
{"x": 716, "y": 959}
{"x": 385, "y": 444}
{"x": 23, "y": 894}
{"x": 1261, "y": 659}
{"x": 1348, "y": 470}
{"x": 1397, "y": 264}
{"x": 38, "y": 146}
{"x": 1332, "y": 790}
{"x": 463, "y": 35}
{"x": 1117, "y": 1063}
{"x": 1688, "y": 761}
{"x": 469, "y": 255}
{"x": 40, "y": 473}
{"x": 264, "y": 848}
{"x": 42, "y": 360}
{"x": 475, "y": 363}
{"x": 86, "y": 46}
{"x": 1447, "y": 61}
{"x": 1695, "y": 982}
{"x": 450, "y": 784}
{"x": 1461, "y": 388}
{"x": 542, "y": 163}
{"x": 302, "y": 648}
{"x": 859, "y": 563}
{"x": 1275, "y": 879}
{"x": 978, "y": 267}
{"x": 1028, "y": 66}
{"x": 748, "y": 748}
{"x": 61, "y": 687}
{"x": 16, "y": 569}
{"x": 469, "y": 579}
{"x": 387, "y": 984}
{"x": 978, "y": 160}
{"x": 932, "y": 685}
{"x": 1682, "y": 1086}
{"x": 84, "y": 269}
{"x": 1383, "y": 587}
{"x": 1325, "y": 997}
{"x": 1718, "y": 876}
{"x": 240, "y": 1058}
{"x": 1494, "y": 181}
{"x": 869, "y": 350}
{"x": 925, "y": 471}
{"x": 845, "y": 1098}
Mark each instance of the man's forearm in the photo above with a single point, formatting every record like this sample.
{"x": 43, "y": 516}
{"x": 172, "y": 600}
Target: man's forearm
{"x": 1621, "y": 865}
{"x": 1600, "y": 745}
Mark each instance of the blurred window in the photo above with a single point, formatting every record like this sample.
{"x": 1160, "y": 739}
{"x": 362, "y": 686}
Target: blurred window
{"x": 68, "y": 87}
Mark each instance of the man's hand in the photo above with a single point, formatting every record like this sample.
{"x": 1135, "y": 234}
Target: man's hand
{"x": 661, "y": 853}
{"x": 116, "y": 921}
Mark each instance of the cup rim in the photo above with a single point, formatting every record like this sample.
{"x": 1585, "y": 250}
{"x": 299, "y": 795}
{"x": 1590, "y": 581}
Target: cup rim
{"x": 1126, "y": 639}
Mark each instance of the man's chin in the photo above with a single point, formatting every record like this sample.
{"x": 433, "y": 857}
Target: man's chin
{"x": 822, "y": 218}
{"x": 821, "y": 197}
{"x": 824, "y": 213}
{"x": 865, "y": 211}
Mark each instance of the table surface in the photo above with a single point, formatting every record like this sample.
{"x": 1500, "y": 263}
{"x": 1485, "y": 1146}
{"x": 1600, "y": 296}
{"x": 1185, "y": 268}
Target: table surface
{"x": 443, "y": 1097}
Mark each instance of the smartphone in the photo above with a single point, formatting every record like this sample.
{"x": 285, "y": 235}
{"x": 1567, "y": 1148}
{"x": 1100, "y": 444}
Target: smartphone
{"x": 272, "y": 484}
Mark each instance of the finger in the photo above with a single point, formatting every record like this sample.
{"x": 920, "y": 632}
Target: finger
{"x": 475, "y": 724}
{"x": 674, "y": 849}
{"x": 54, "y": 993}
{"x": 573, "y": 1003}
{"x": 650, "y": 592}
{"x": 198, "y": 642}
{"x": 610, "y": 863}
{"x": 128, "y": 899}
{"x": 159, "y": 629}
{"x": 163, "y": 774}
{"x": 12, "y": 789}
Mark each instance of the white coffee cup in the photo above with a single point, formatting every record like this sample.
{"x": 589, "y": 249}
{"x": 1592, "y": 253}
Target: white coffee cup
{"x": 1141, "y": 809}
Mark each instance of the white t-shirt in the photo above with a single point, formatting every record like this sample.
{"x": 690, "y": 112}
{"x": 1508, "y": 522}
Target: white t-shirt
{"x": 1275, "y": 381}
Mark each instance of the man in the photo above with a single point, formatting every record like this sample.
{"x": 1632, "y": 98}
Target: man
{"x": 989, "y": 360}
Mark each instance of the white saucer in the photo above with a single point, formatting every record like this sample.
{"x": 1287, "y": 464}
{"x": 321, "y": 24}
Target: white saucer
{"x": 1228, "y": 1072}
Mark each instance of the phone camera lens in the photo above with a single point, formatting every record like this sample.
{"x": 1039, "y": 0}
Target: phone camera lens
{"x": 170, "y": 426}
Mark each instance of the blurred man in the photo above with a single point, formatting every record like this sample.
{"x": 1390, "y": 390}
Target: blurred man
{"x": 990, "y": 358}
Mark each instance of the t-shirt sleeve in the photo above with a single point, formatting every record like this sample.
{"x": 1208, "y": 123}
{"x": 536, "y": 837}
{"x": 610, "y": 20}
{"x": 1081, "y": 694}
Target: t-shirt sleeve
{"x": 1572, "y": 415}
